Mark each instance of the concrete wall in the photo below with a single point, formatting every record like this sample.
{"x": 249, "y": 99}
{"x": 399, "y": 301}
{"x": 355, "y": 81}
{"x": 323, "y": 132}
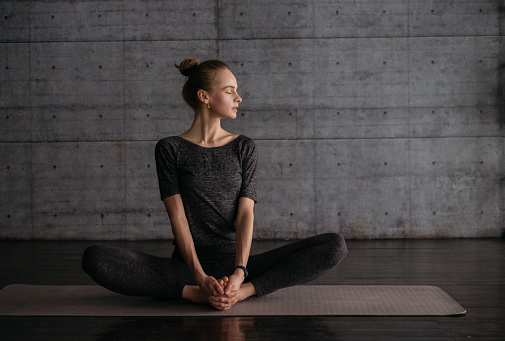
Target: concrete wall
{"x": 376, "y": 119}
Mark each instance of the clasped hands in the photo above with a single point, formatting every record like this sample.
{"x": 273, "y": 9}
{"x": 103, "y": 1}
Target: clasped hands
{"x": 223, "y": 293}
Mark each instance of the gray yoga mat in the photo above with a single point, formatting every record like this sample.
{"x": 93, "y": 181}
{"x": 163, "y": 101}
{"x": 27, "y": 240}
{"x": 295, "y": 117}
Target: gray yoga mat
{"x": 322, "y": 300}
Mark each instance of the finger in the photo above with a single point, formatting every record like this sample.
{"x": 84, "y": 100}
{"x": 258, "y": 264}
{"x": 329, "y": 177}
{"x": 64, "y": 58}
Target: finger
{"x": 218, "y": 288}
{"x": 214, "y": 287}
{"x": 215, "y": 299}
{"x": 215, "y": 303}
{"x": 219, "y": 299}
{"x": 220, "y": 305}
{"x": 222, "y": 308}
{"x": 221, "y": 302}
{"x": 228, "y": 289}
{"x": 232, "y": 299}
{"x": 233, "y": 293}
{"x": 229, "y": 304}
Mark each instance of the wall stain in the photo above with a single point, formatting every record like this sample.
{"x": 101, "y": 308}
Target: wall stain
{"x": 119, "y": 146}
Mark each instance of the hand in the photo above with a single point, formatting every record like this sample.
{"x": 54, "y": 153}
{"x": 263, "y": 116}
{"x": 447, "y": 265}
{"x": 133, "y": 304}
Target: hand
{"x": 223, "y": 282}
{"x": 211, "y": 287}
{"x": 231, "y": 291}
{"x": 226, "y": 301}
{"x": 234, "y": 282}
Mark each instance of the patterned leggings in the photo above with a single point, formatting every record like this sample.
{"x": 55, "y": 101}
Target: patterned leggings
{"x": 138, "y": 274}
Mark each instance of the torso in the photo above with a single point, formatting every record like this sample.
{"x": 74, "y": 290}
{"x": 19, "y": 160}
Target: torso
{"x": 210, "y": 181}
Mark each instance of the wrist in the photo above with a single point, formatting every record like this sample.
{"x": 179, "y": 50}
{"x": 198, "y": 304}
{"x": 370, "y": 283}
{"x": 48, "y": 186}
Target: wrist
{"x": 242, "y": 269}
{"x": 200, "y": 277}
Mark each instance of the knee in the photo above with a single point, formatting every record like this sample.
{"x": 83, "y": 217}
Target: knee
{"x": 336, "y": 246}
{"x": 90, "y": 258}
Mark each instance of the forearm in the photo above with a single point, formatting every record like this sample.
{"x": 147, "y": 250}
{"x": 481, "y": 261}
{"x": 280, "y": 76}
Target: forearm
{"x": 182, "y": 235}
{"x": 186, "y": 246}
{"x": 244, "y": 230}
{"x": 244, "y": 240}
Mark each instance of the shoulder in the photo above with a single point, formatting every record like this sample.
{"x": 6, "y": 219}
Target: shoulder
{"x": 247, "y": 146}
{"x": 167, "y": 142}
{"x": 246, "y": 142}
{"x": 167, "y": 146}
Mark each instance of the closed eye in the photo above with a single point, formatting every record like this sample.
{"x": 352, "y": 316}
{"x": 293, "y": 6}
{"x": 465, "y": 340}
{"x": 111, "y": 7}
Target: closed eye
{"x": 230, "y": 89}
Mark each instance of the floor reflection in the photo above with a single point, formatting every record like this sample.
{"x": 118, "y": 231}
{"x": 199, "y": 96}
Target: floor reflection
{"x": 226, "y": 328}
{"x": 179, "y": 328}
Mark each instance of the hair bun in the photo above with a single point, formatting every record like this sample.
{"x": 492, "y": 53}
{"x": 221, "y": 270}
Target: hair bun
{"x": 186, "y": 65}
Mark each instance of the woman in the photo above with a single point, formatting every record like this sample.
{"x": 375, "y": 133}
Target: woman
{"x": 207, "y": 180}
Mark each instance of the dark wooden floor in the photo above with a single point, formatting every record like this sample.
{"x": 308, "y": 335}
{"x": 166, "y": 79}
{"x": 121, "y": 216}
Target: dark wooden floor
{"x": 472, "y": 271}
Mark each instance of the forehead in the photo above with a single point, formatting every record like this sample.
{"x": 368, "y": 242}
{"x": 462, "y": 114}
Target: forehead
{"x": 225, "y": 78}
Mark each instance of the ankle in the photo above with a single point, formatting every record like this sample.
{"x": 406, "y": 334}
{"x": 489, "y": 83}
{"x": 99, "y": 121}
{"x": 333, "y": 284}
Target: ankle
{"x": 194, "y": 294}
{"x": 246, "y": 290}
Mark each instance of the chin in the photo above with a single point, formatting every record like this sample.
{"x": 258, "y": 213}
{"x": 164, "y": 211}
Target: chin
{"x": 231, "y": 116}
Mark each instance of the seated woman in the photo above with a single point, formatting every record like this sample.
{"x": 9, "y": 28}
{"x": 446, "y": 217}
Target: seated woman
{"x": 207, "y": 180}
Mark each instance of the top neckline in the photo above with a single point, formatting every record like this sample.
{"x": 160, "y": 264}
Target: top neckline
{"x": 217, "y": 147}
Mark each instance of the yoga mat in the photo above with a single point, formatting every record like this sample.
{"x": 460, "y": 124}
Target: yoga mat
{"x": 322, "y": 300}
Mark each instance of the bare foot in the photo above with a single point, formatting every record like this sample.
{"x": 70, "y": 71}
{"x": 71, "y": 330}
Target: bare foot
{"x": 246, "y": 290}
{"x": 224, "y": 302}
{"x": 194, "y": 294}
{"x": 223, "y": 282}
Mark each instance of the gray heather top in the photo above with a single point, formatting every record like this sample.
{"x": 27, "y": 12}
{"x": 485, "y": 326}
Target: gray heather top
{"x": 210, "y": 182}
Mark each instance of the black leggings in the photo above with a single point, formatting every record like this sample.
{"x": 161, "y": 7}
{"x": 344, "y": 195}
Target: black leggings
{"x": 138, "y": 274}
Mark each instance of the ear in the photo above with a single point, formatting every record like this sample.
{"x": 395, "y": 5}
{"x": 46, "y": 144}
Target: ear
{"x": 203, "y": 96}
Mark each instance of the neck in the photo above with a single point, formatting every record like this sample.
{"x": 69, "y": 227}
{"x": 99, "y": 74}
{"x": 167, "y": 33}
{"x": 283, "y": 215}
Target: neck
{"x": 205, "y": 130}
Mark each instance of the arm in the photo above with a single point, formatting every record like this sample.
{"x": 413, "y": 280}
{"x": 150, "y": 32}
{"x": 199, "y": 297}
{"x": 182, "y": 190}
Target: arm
{"x": 184, "y": 239}
{"x": 244, "y": 227}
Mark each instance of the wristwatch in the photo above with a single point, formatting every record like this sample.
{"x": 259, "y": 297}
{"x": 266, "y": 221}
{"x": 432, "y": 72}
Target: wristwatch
{"x": 246, "y": 273}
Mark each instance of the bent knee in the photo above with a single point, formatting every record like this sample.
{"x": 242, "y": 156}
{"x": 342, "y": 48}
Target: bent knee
{"x": 337, "y": 246}
{"x": 90, "y": 258}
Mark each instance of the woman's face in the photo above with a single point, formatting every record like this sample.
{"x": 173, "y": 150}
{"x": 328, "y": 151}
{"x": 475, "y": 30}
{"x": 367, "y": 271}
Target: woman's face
{"x": 224, "y": 98}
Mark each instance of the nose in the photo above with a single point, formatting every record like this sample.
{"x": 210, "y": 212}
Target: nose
{"x": 238, "y": 99}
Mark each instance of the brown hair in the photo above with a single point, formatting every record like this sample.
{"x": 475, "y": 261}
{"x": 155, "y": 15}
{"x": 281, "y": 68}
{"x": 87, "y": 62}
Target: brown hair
{"x": 200, "y": 76}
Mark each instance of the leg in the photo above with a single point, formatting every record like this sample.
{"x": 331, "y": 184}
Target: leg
{"x": 138, "y": 274}
{"x": 296, "y": 263}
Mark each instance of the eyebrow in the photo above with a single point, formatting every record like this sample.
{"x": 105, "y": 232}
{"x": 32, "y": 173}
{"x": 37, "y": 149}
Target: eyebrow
{"x": 230, "y": 86}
